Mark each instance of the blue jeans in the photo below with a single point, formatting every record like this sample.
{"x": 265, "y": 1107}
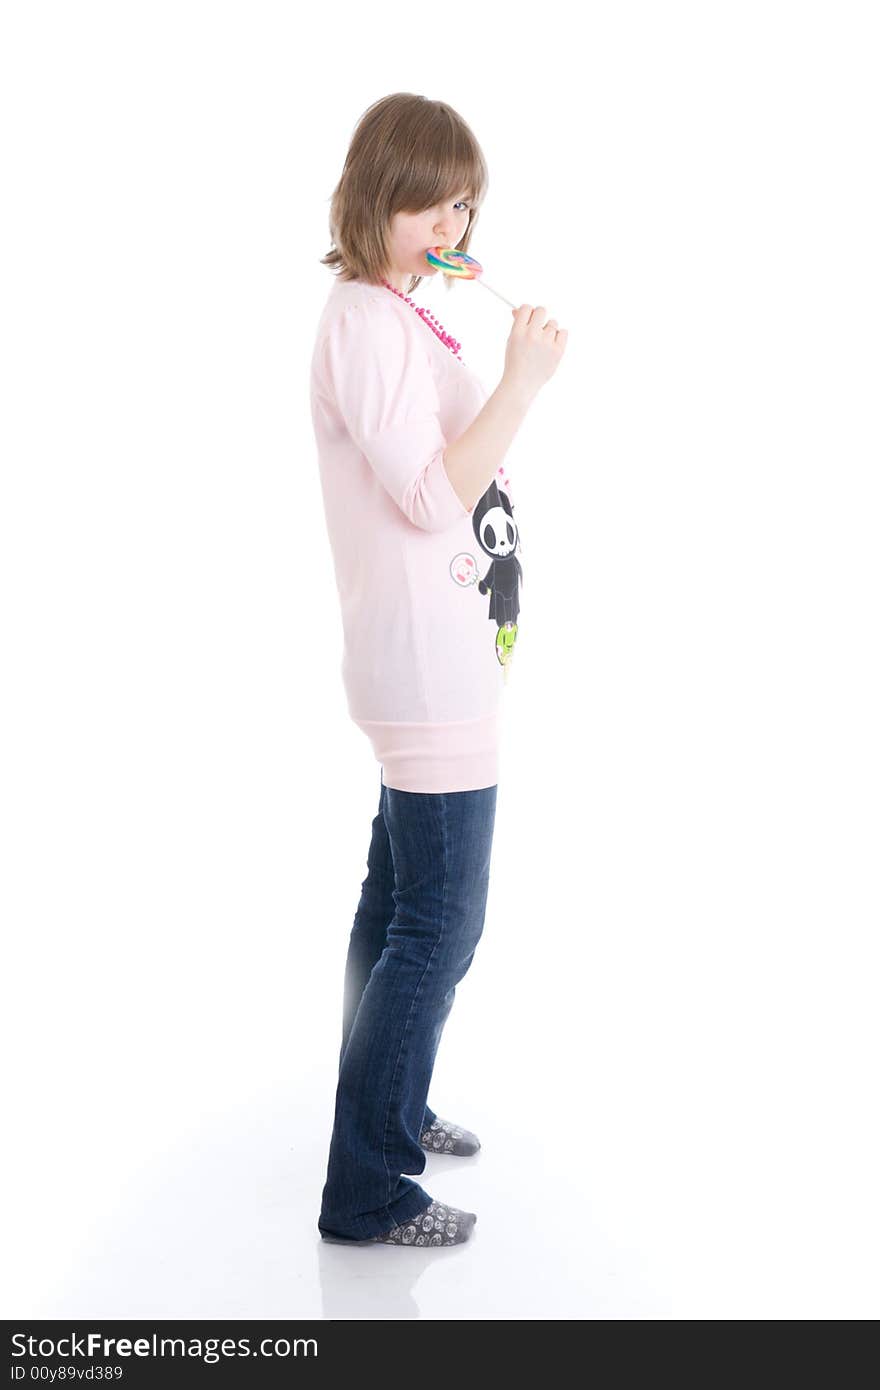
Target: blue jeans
{"x": 416, "y": 929}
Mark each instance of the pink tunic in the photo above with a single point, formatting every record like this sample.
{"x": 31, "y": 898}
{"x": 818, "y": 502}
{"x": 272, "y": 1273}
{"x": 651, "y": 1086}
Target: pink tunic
{"x": 424, "y": 651}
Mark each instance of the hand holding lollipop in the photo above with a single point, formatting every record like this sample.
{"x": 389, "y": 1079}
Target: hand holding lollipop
{"x": 535, "y": 346}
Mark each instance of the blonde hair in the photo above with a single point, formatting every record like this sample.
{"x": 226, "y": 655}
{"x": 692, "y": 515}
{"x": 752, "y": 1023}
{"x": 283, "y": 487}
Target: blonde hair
{"x": 407, "y": 154}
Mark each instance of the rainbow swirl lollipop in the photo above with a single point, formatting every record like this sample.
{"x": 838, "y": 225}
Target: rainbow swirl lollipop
{"x": 459, "y": 266}
{"x": 454, "y": 263}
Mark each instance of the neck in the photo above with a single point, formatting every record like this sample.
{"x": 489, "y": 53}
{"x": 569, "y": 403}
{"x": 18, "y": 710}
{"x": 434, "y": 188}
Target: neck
{"x": 399, "y": 279}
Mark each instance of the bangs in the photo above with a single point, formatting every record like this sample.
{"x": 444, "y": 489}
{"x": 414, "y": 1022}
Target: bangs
{"x": 419, "y": 189}
{"x": 442, "y": 157}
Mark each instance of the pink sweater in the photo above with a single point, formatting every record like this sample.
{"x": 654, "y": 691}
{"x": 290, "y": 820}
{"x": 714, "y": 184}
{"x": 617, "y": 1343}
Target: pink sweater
{"x": 429, "y": 590}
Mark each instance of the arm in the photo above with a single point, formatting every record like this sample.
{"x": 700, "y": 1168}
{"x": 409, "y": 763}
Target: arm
{"x": 380, "y": 377}
{"x": 472, "y": 461}
{"x": 534, "y": 350}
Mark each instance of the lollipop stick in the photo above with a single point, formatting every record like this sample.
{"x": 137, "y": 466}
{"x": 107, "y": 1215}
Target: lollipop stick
{"x": 481, "y": 281}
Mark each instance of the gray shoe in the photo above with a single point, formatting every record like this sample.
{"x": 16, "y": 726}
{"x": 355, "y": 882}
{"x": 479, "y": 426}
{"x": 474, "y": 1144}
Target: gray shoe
{"x": 438, "y": 1224}
{"x": 443, "y": 1137}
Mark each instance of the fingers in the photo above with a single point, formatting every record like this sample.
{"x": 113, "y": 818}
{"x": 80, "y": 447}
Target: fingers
{"x": 528, "y": 316}
{"x": 541, "y": 323}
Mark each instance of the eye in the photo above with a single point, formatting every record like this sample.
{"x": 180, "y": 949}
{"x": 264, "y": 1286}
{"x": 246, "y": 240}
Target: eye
{"x": 462, "y": 203}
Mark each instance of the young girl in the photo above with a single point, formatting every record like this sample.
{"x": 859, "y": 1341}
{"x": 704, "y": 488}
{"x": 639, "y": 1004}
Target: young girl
{"x": 424, "y": 541}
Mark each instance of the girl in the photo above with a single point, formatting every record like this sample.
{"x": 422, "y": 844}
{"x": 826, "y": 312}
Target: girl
{"x": 424, "y": 542}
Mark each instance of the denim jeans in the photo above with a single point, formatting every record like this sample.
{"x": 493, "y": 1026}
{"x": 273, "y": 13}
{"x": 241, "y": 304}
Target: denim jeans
{"x": 416, "y": 929}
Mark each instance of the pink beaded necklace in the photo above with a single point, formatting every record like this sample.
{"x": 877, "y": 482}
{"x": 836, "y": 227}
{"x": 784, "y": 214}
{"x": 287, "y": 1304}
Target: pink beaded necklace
{"x": 427, "y": 317}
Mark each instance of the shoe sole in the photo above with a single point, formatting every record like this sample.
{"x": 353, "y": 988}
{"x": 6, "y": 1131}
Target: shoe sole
{"x": 445, "y": 1153}
{"x": 344, "y": 1240}
{"x": 376, "y": 1240}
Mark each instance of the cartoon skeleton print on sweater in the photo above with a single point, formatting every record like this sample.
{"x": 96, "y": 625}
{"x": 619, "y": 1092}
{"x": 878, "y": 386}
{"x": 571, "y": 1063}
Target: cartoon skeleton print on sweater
{"x": 497, "y": 535}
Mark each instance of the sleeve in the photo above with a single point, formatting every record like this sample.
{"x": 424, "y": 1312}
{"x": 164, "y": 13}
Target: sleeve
{"x": 381, "y": 379}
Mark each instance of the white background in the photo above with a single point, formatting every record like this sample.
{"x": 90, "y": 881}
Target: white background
{"x": 668, "y": 1038}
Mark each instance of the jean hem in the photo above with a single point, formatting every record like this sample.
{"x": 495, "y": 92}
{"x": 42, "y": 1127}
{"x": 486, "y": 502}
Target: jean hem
{"x": 379, "y": 1223}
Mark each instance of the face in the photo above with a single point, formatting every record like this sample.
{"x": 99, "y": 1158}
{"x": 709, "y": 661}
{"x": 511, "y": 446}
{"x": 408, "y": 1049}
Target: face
{"x": 411, "y": 234}
{"x": 498, "y": 532}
